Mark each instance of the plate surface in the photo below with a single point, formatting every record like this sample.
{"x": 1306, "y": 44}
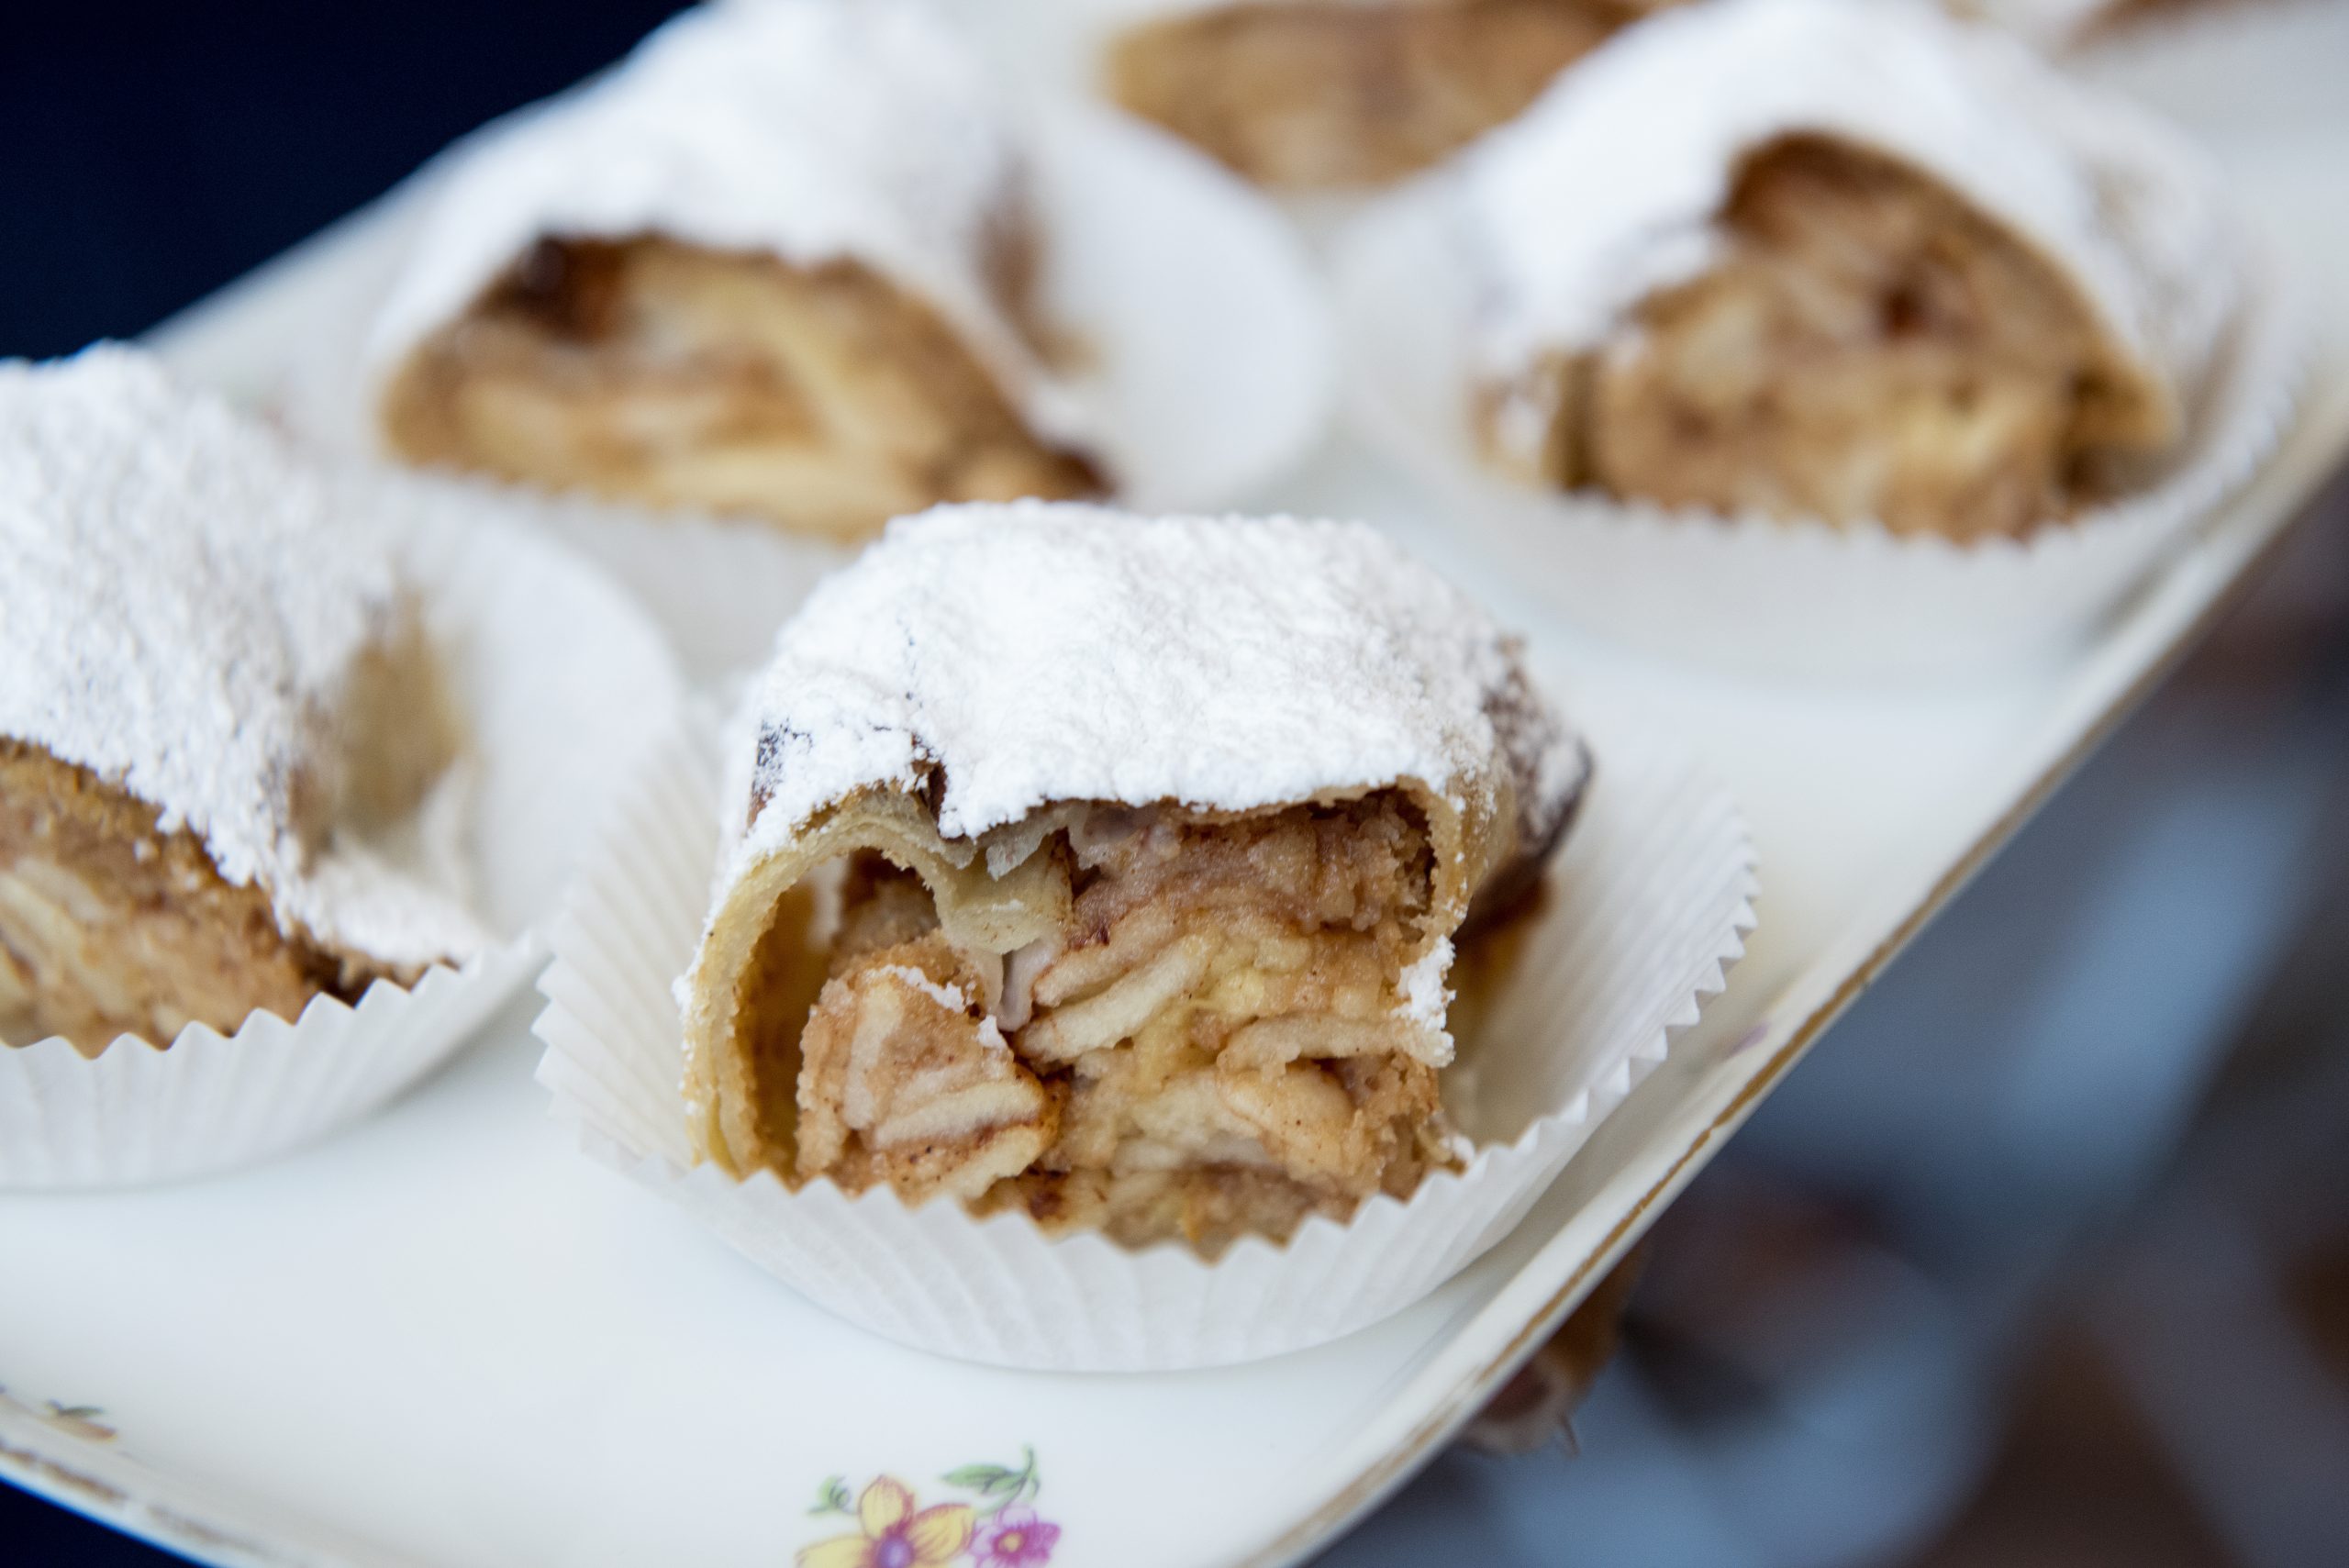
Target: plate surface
{"x": 447, "y": 1338}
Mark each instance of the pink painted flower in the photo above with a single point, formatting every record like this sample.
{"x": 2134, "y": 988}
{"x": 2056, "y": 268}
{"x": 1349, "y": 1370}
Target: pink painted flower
{"x": 1016, "y": 1537}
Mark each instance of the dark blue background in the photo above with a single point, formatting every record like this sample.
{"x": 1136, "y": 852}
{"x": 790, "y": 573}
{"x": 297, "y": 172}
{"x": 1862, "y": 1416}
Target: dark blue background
{"x": 149, "y": 153}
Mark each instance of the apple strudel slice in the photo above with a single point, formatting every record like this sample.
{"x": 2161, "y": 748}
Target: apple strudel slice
{"x": 782, "y": 263}
{"x": 1110, "y": 870}
{"x": 218, "y": 706}
{"x": 1833, "y": 260}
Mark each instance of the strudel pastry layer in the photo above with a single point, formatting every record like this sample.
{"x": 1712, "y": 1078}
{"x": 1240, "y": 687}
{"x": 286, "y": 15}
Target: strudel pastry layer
{"x": 1863, "y": 265}
{"x": 218, "y": 708}
{"x": 781, "y": 262}
{"x": 1023, "y": 914}
{"x": 1326, "y": 92}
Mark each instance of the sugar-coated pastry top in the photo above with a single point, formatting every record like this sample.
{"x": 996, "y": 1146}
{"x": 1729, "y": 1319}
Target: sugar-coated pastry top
{"x": 813, "y": 130}
{"x": 182, "y": 605}
{"x": 1022, "y": 654}
{"x": 1606, "y": 189}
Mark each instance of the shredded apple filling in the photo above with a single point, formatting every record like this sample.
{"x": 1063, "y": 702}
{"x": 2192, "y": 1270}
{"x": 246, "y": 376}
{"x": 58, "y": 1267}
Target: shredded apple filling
{"x": 1866, "y": 346}
{"x": 110, "y": 925}
{"x": 1211, "y": 1043}
{"x": 823, "y": 398}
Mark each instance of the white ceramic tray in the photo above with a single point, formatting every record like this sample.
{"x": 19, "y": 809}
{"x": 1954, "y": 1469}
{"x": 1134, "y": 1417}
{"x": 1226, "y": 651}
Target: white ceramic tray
{"x": 448, "y": 1339}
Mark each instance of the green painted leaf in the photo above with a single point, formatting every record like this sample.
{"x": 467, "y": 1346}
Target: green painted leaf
{"x": 978, "y": 1477}
{"x": 831, "y": 1497}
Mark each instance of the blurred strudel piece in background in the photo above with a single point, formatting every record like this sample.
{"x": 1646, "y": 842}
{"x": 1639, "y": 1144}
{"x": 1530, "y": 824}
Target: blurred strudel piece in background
{"x": 782, "y": 262}
{"x": 1843, "y": 261}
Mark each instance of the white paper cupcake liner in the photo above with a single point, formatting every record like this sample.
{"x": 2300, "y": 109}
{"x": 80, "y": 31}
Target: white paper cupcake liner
{"x": 1203, "y": 328}
{"x": 2222, "y": 62}
{"x": 1755, "y": 592}
{"x": 562, "y": 681}
{"x": 1649, "y": 902}
{"x": 717, "y": 587}
{"x": 1207, "y": 323}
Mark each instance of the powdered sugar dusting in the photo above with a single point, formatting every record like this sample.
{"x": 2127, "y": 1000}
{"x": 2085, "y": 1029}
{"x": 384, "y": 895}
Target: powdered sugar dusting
{"x": 1427, "y": 994}
{"x": 181, "y": 602}
{"x": 1015, "y": 655}
{"x": 953, "y": 998}
{"x": 1608, "y": 187}
{"x": 809, "y": 129}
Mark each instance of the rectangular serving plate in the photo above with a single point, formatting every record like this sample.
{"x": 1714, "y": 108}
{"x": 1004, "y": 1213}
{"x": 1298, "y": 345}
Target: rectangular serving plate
{"x": 445, "y": 1338}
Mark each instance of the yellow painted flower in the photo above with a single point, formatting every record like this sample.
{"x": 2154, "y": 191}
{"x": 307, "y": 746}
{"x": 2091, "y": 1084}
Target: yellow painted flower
{"x": 892, "y": 1535}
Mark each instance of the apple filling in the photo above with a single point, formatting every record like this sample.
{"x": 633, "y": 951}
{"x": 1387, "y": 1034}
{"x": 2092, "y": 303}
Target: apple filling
{"x": 1214, "y": 1040}
{"x": 108, "y": 926}
{"x": 111, "y": 925}
{"x": 1866, "y": 346}
{"x": 823, "y": 398}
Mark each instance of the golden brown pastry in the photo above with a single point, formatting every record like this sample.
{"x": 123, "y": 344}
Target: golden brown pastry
{"x": 1109, "y": 869}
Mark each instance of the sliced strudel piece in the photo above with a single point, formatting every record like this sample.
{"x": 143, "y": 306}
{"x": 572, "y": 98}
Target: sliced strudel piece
{"x": 218, "y": 708}
{"x": 782, "y": 263}
{"x": 1110, "y": 869}
{"x": 1841, "y": 260}
{"x": 1336, "y": 92}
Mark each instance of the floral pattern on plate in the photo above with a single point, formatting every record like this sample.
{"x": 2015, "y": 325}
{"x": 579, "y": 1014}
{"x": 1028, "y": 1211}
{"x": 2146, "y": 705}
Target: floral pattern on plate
{"x": 997, "y": 1529}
